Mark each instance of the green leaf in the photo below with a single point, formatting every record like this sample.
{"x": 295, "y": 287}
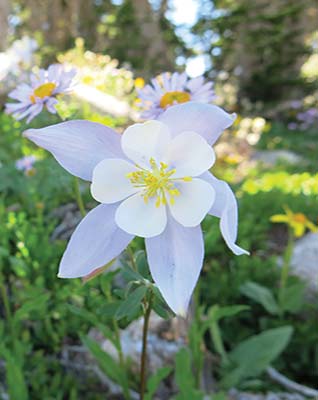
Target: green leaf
{"x": 261, "y": 295}
{"x": 130, "y": 306}
{"x": 229, "y": 311}
{"x": 292, "y": 298}
{"x": 109, "y": 310}
{"x": 217, "y": 312}
{"x": 252, "y": 356}
{"x": 106, "y": 281}
{"x": 105, "y": 361}
{"x": 93, "y": 320}
{"x": 38, "y": 303}
{"x": 17, "y": 387}
{"x": 129, "y": 274}
{"x": 142, "y": 264}
{"x": 83, "y": 314}
{"x": 159, "y": 305}
{"x": 185, "y": 378}
{"x": 155, "y": 380}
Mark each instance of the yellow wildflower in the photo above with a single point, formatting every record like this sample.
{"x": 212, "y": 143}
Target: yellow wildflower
{"x": 298, "y": 222}
{"x": 139, "y": 83}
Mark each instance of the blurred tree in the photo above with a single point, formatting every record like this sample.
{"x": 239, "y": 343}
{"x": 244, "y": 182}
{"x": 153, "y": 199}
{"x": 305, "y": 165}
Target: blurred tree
{"x": 141, "y": 36}
{"x": 262, "y": 43}
{"x": 4, "y": 14}
{"x": 132, "y": 32}
{"x": 59, "y": 21}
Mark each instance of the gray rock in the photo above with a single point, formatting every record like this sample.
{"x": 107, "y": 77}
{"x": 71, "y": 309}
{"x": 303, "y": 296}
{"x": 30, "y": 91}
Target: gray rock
{"x": 271, "y": 157}
{"x": 304, "y": 262}
{"x": 163, "y": 342}
{"x": 237, "y": 395}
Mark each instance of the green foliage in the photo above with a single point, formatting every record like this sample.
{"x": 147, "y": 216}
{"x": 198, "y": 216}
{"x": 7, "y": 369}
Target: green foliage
{"x": 105, "y": 361}
{"x": 254, "y": 355}
{"x": 155, "y": 380}
{"x": 131, "y": 305}
{"x": 184, "y": 377}
{"x": 261, "y": 295}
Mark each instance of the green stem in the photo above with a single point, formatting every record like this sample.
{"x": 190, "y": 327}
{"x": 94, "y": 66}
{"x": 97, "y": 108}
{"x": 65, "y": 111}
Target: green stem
{"x": 121, "y": 359}
{"x": 6, "y": 303}
{"x": 120, "y": 351}
{"x": 285, "y": 267}
{"x": 78, "y": 197}
{"x": 143, "y": 361}
{"x": 196, "y": 339}
{"x": 132, "y": 258}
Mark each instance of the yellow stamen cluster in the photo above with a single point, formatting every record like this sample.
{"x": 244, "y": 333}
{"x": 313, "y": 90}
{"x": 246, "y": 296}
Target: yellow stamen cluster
{"x": 170, "y": 98}
{"x": 43, "y": 91}
{"x": 157, "y": 182}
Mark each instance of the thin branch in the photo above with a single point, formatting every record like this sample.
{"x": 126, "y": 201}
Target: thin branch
{"x": 291, "y": 385}
{"x": 143, "y": 361}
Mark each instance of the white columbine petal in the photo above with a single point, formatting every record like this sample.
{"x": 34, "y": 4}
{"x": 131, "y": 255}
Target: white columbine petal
{"x": 193, "y": 203}
{"x": 175, "y": 260}
{"x": 110, "y": 182}
{"x": 190, "y": 155}
{"x": 95, "y": 242}
{"x": 78, "y": 145}
{"x": 141, "y": 142}
{"x": 207, "y": 120}
{"x": 138, "y": 218}
{"x": 225, "y": 208}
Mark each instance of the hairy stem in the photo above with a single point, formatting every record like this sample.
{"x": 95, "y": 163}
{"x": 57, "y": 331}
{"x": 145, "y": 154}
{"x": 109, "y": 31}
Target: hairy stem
{"x": 143, "y": 366}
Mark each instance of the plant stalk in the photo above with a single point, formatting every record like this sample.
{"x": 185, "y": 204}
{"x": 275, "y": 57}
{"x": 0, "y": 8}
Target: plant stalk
{"x": 143, "y": 363}
{"x": 6, "y": 304}
{"x": 286, "y": 267}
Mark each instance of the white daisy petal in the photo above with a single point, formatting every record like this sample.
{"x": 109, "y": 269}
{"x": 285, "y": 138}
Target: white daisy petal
{"x": 190, "y": 155}
{"x": 141, "y": 142}
{"x": 110, "y": 182}
{"x": 136, "y": 217}
{"x": 193, "y": 203}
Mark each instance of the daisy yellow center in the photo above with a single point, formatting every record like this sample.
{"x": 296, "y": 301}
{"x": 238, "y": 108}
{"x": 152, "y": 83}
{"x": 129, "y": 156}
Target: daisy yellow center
{"x": 43, "y": 91}
{"x": 170, "y": 98}
{"x": 157, "y": 182}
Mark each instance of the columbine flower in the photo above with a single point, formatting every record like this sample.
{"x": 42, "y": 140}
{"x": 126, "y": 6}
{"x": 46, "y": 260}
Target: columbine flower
{"x": 298, "y": 222}
{"x": 153, "y": 181}
{"x": 41, "y": 92}
{"x": 26, "y": 164}
{"x": 169, "y": 89}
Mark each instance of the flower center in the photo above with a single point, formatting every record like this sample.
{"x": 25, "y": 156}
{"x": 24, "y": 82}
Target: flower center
{"x": 43, "y": 91}
{"x": 157, "y": 182}
{"x": 300, "y": 218}
{"x": 170, "y": 98}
